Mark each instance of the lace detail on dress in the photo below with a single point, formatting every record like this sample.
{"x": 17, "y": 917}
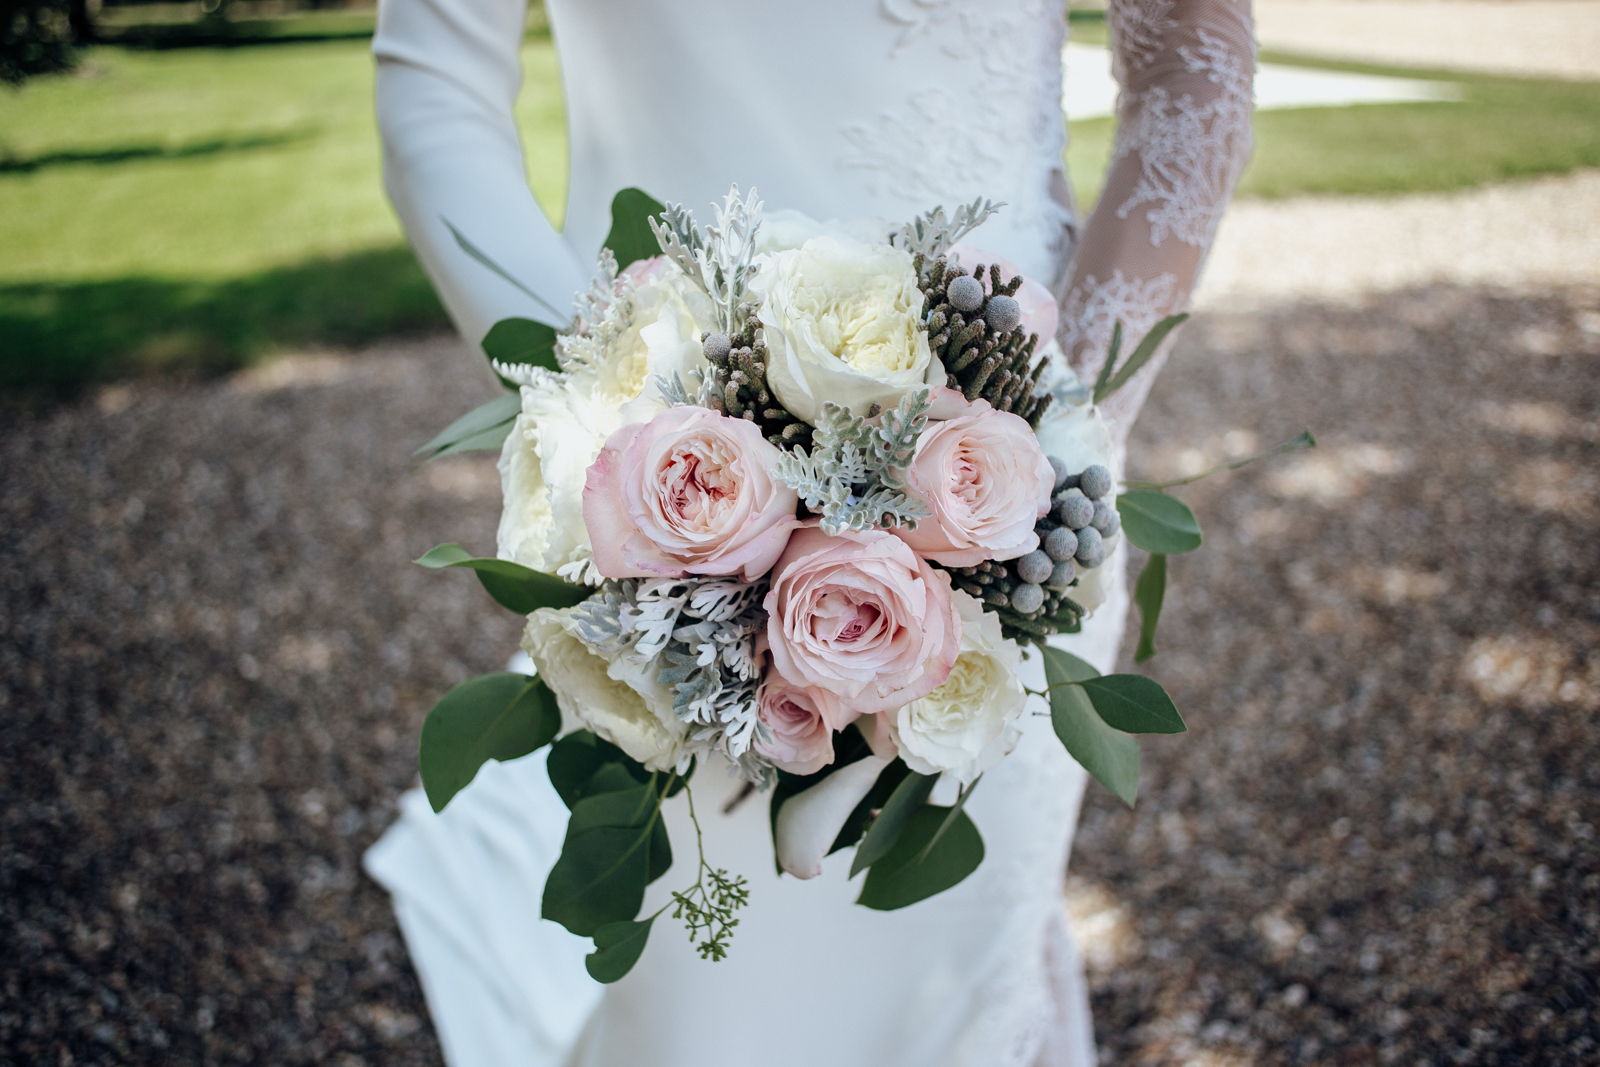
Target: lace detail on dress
{"x": 1093, "y": 308}
{"x": 1190, "y": 151}
{"x": 945, "y": 145}
{"x": 1136, "y": 30}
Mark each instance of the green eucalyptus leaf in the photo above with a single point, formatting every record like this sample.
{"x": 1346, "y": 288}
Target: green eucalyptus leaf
{"x": 949, "y": 820}
{"x": 617, "y": 947}
{"x": 1148, "y": 594}
{"x": 1141, "y": 355}
{"x": 1108, "y": 754}
{"x": 1134, "y": 704}
{"x": 899, "y": 878}
{"x": 631, "y": 238}
{"x": 495, "y": 716}
{"x": 513, "y": 586}
{"x": 1157, "y": 522}
{"x": 1101, "y": 383}
{"x": 475, "y": 429}
{"x": 522, "y": 341}
{"x": 574, "y": 760}
{"x": 908, "y": 797}
{"x": 598, "y": 879}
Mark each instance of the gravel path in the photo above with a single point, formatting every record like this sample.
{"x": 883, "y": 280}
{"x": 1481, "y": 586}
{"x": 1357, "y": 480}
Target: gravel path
{"x": 1526, "y": 234}
{"x": 1538, "y": 38}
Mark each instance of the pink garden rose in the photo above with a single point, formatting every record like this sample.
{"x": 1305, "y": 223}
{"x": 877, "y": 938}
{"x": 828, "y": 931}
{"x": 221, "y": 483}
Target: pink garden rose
{"x": 986, "y": 481}
{"x": 689, "y": 492}
{"x": 802, "y": 719}
{"x": 860, "y": 616}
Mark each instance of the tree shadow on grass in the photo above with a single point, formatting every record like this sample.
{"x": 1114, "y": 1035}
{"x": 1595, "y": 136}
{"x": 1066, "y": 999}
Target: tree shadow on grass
{"x": 56, "y": 338}
{"x": 139, "y": 152}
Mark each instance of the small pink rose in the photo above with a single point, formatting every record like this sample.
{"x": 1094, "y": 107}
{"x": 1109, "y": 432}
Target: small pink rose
{"x": 1040, "y": 314}
{"x": 802, "y": 721}
{"x": 689, "y": 492}
{"x": 641, "y": 271}
{"x": 986, "y": 482}
{"x": 861, "y": 617}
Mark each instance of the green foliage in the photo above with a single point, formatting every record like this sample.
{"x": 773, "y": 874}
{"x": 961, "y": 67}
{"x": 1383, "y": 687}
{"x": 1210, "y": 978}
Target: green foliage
{"x": 484, "y": 427}
{"x": 1157, "y": 522}
{"x": 618, "y": 947}
{"x": 522, "y": 341}
{"x": 912, "y": 871}
{"x": 513, "y": 586}
{"x": 36, "y": 37}
{"x": 495, "y": 716}
{"x": 577, "y": 758}
{"x": 1133, "y": 704}
{"x": 1108, "y": 382}
{"x": 631, "y": 238}
{"x": 908, "y": 798}
{"x": 1111, "y": 756}
{"x": 1148, "y": 595}
{"x": 604, "y": 865}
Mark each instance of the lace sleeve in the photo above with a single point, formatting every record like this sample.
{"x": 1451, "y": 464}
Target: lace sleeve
{"x": 1185, "y": 68}
{"x": 448, "y": 75}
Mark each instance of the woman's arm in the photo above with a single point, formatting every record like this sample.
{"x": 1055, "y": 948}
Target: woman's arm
{"x": 1183, "y": 136}
{"x": 448, "y": 74}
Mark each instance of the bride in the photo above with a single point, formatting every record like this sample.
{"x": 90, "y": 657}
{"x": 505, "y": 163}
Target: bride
{"x": 839, "y": 109}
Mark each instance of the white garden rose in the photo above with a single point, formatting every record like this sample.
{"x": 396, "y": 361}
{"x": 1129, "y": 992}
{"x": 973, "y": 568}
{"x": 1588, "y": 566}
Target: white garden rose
{"x": 618, "y": 699}
{"x": 969, "y": 723}
{"x": 842, "y": 324}
{"x": 566, "y": 419}
{"x": 1079, "y": 436}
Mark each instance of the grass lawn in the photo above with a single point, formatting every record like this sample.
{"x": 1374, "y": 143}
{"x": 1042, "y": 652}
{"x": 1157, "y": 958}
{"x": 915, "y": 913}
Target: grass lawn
{"x": 1502, "y": 129}
{"x": 173, "y": 209}
{"x": 189, "y": 209}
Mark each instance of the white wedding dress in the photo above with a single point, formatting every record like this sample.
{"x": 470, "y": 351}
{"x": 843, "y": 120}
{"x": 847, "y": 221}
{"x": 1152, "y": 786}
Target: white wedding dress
{"x": 840, "y": 109}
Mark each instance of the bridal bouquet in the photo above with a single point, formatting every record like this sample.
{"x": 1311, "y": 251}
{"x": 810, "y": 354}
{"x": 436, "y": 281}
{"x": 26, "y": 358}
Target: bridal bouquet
{"x": 794, "y": 499}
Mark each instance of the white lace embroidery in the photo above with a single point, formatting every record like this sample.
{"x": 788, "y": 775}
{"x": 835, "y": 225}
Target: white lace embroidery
{"x": 1190, "y": 152}
{"x": 1093, "y": 308}
{"x": 1137, "y": 27}
{"x": 946, "y": 145}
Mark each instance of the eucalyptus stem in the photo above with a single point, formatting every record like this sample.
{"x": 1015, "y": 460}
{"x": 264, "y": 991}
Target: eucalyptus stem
{"x": 1305, "y": 440}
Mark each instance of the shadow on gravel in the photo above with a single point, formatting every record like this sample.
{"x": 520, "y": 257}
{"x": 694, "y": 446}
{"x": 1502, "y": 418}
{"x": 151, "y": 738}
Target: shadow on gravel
{"x": 1376, "y": 844}
{"x": 63, "y": 337}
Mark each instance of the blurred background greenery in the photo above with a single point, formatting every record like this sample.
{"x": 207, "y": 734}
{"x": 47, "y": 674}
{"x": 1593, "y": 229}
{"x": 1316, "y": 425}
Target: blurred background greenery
{"x": 187, "y": 187}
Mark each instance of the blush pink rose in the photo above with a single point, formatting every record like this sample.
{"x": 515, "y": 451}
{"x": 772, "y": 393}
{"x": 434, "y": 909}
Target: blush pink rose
{"x": 1040, "y": 314}
{"x": 986, "y": 482}
{"x": 689, "y": 492}
{"x": 802, "y": 741}
{"x": 861, "y": 617}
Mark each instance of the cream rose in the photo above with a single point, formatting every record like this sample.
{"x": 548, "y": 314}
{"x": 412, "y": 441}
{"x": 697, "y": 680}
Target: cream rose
{"x": 689, "y": 492}
{"x": 566, "y": 418}
{"x": 985, "y": 482}
{"x": 969, "y": 723}
{"x": 617, "y": 699}
{"x": 861, "y": 616}
{"x": 842, "y": 325}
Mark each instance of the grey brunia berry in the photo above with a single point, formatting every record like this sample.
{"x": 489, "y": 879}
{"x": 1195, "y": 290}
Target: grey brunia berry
{"x": 1003, "y": 314}
{"x": 1095, "y": 481}
{"x": 1035, "y": 567}
{"x": 717, "y": 346}
{"x": 965, "y": 294}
